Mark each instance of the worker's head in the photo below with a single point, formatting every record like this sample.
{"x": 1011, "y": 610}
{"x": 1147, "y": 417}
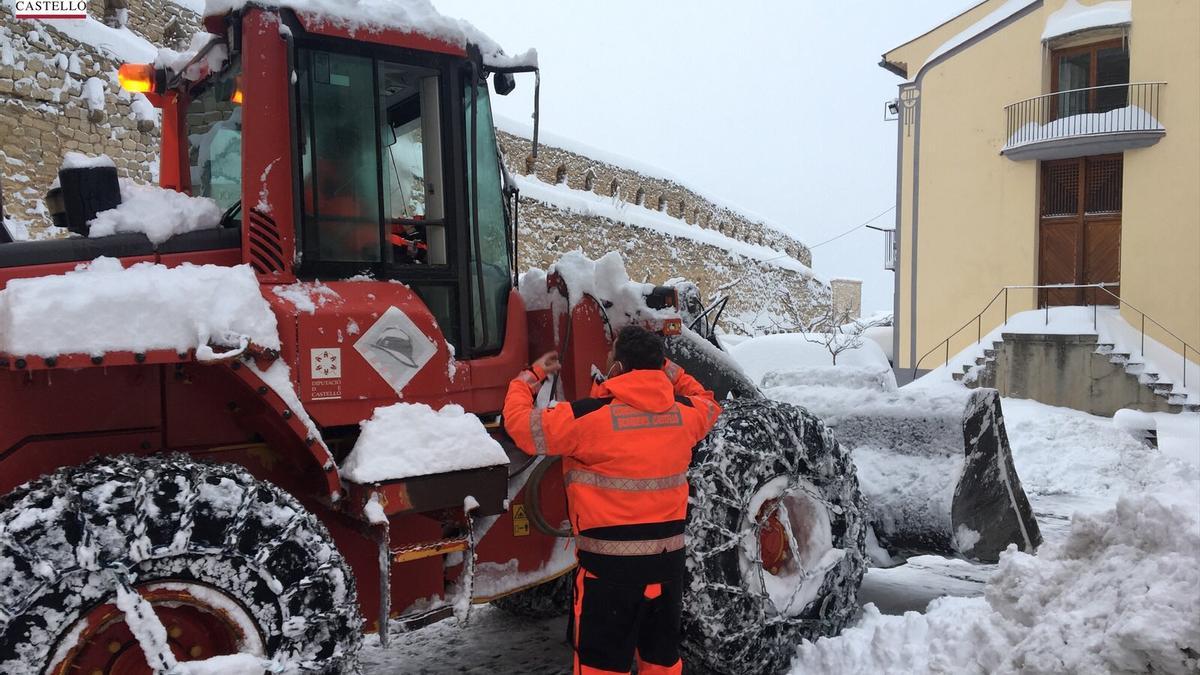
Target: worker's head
{"x": 638, "y": 349}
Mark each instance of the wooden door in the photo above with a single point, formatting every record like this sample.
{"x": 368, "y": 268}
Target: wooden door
{"x": 1079, "y": 237}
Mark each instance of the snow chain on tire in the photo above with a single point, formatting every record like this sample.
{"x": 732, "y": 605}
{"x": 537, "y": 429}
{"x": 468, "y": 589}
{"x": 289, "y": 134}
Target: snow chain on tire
{"x": 170, "y": 518}
{"x": 729, "y": 621}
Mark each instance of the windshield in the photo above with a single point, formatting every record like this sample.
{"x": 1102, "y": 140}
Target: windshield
{"x": 214, "y": 132}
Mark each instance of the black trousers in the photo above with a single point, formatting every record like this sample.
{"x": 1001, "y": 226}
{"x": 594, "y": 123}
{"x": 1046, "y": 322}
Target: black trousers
{"x": 615, "y": 623}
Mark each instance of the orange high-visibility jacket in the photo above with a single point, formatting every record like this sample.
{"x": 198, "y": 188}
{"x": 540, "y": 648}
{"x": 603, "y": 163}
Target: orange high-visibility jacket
{"x": 625, "y": 454}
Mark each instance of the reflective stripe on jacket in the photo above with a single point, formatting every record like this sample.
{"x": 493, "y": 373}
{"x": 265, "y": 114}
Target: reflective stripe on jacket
{"x": 625, "y": 454}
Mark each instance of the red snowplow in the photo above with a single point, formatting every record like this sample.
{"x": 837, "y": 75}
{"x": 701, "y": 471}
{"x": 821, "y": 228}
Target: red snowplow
{"x": 165, "y": 503}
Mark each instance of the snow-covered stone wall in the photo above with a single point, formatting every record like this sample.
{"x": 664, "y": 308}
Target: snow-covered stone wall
{"x": 718, "y": 247}
{"x": 58, "y": 93}
{"x": 555, "y": 165}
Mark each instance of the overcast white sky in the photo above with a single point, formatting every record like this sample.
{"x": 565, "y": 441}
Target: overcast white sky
{"x": 774, "y": 106}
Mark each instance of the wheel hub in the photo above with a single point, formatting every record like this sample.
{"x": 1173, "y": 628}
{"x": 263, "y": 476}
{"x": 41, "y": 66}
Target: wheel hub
{"x": 791, "y": 546}
{"x": 200, "y": 621}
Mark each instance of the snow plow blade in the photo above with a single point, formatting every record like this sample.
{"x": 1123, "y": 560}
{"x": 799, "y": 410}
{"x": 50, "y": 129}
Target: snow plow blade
{"x": 933, "y": 463}
{"x": 935, "y": 466}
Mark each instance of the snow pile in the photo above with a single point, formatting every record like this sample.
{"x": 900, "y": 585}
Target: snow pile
{"x": 760, "y": 355}
{"x": 591, "y": 204}
{"x": 1090, "y": 460}
{"x": 403, "y": 440}
{"x": 994, "y": 18}
{"x": 157, "y": 212}
{"x": 372, "y": 16}
{"x": 1074, "y": 17}
{"x": 624, "y": 300}
{"x": 1118, "y": 595}
{"x": 101, "y": 307}
{"x": 1128, "y": 118}
{"x": 846, "y": 377}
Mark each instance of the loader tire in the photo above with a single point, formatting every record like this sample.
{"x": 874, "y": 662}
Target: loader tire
{"x": 755, "y": 593}
{"x": 543, "y": 601}
{"x": 228, "y": 563}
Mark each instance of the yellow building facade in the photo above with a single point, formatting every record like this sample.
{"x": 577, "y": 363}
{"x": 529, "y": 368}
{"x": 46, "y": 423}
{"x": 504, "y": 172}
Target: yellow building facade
{"x": 1047, "y": 142}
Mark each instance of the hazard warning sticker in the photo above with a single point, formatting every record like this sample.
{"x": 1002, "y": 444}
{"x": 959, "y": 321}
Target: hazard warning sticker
{"x": 520, "y": 521}
{"x": 325, "y": 372}
{"x": 396, "y": 348}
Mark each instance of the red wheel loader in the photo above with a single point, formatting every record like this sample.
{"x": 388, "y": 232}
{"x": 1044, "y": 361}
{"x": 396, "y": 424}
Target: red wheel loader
{"x": 164, "y": 506}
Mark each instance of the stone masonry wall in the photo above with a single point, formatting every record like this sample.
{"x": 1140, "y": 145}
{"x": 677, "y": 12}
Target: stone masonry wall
{"x": 58, "y": 95}
{"x": 559, "y": 166}
{"x": 763, "y": 297}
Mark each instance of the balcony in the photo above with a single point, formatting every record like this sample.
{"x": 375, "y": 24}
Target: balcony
{"x": 889, "y": 250}
{"x": 1083, "y": 122}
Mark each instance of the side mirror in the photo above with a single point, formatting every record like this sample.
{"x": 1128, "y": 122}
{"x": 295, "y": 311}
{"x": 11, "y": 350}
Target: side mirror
{"x": 504, "y": 83}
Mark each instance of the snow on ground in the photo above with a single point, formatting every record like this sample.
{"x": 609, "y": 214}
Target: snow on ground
{"x": 760, "y": 355}
{"x": 492, "y": 643}
{"x": 1118, "y": 594}
{"x": 1111, "y": 591}
{"x": 412, "y": 439}
{"x": 1106, "y": 323}
{"x": 101, "y": 307}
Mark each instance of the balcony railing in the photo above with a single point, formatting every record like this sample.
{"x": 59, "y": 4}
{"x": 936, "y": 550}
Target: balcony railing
{"x": 1113, "y": 117}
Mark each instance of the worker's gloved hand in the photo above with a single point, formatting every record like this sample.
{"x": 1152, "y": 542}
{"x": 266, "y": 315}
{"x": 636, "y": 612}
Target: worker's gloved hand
{"x": 547, "y": 364}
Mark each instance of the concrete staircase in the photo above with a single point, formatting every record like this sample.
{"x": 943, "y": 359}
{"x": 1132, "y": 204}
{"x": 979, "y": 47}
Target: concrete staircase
{"x": 1076, "y": 371}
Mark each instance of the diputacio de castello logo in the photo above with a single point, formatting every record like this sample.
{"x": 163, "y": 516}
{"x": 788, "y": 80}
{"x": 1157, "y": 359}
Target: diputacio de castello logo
{"x": 50, "y": 9}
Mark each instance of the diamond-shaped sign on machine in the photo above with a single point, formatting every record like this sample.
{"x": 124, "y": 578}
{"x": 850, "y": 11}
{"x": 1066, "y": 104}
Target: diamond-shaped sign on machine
{"x": 396, "y": 348}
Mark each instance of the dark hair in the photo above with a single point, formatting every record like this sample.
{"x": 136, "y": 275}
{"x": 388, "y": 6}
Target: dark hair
{"x": 639, "y": 349}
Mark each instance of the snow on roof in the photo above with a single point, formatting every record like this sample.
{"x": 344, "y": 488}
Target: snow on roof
{"x": 157, "y": 212}
{"x": 403, "y": 440}
{"x": 592, "y": 204}
{"x": 410, "y": 16}
{"x": 1074, "y": 17}
{"x": 101, "y": 307}
{"x": 1004, "y": 11}
{"x": 524, "y": 130}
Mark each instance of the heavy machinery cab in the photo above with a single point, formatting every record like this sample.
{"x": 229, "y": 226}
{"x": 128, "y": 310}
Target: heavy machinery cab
{"x": 386, "y": 166}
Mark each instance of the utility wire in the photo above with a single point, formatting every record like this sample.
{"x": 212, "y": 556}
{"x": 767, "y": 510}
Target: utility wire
{"x": 856, "y": 227}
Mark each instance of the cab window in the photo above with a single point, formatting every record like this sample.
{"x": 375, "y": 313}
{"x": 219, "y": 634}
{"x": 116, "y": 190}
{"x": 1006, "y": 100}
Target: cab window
{"x": 214, "y": 133}
{"x": 371, "y": 161}
{"x": 490, "y": 271}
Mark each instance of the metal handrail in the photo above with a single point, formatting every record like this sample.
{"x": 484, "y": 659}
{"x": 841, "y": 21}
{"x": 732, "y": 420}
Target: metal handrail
{"x": 1072, "y": 91}
{"x": 978, "y": 321}
{"x": 1073, "y": 112}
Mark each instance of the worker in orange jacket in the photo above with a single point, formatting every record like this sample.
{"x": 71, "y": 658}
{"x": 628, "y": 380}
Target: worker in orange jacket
{"x": 625, "y": 454}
